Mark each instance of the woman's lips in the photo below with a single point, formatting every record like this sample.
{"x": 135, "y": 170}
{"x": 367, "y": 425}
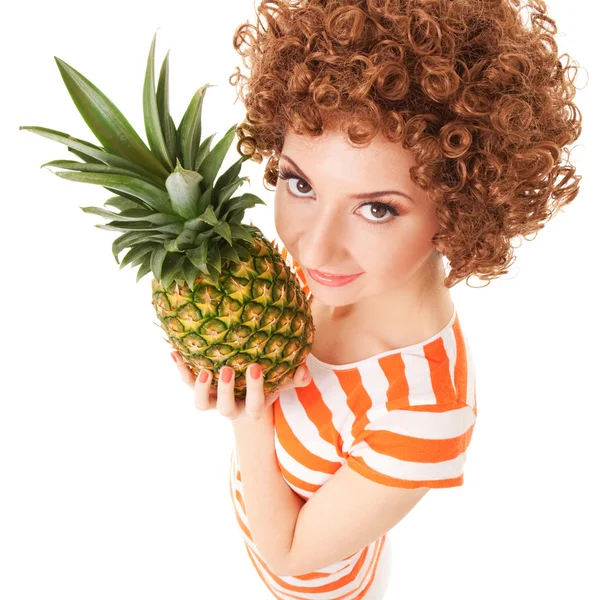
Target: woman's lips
{"x": 332, "y": 280}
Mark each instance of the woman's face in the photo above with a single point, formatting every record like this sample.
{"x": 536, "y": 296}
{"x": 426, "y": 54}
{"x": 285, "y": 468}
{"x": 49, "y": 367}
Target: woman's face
{"x": 326, "y": 227}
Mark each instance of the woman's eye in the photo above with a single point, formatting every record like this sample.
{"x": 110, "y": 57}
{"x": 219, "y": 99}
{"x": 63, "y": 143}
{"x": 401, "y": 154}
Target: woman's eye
{"x": 289, "y": 179}
{"x": 378, "y": 209}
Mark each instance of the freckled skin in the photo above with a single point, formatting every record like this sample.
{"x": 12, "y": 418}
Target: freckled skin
{"x": 401, "y": 288}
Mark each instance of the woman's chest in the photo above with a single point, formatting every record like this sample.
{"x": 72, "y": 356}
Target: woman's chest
{"x": 336, "y": 349}
{"x": 340, "y": 343}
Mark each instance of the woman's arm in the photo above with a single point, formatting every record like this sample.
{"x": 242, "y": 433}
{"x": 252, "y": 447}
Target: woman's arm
{"x": 272, "y": 507}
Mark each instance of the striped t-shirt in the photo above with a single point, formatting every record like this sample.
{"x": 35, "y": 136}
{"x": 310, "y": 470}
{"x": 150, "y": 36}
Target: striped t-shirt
{"x": 402, "y": 418}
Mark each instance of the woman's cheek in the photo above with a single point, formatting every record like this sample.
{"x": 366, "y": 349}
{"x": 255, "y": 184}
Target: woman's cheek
{"x": 289, "y": 218}
{"x": 284, "y": 219}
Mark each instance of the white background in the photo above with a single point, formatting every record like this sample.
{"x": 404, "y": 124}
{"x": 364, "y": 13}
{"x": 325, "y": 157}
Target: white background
{"x": 112, "y": 485}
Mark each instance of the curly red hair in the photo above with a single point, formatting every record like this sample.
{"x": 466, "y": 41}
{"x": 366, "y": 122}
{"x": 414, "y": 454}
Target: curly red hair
{"x": 482, "y": 101}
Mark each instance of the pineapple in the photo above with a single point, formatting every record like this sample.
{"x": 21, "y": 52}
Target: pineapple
{"x": 222, "y": 292}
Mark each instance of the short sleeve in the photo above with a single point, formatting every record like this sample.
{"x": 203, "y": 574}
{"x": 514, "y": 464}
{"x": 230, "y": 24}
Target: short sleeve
{"x": 415, "y": 446}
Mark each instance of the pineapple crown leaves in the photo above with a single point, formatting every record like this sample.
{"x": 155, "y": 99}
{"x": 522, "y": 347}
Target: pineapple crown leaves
{"x": 178, "y": 221}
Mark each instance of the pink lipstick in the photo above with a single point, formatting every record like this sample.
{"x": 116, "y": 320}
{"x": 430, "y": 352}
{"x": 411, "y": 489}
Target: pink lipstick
{"x": 332, "y": 280}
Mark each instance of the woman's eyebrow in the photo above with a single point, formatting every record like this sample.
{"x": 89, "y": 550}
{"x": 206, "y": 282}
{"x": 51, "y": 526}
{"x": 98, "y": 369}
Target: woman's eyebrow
{"x": 366, "y": 195}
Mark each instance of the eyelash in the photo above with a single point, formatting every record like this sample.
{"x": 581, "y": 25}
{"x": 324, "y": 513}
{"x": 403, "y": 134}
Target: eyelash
{"x": 285, "y": 175}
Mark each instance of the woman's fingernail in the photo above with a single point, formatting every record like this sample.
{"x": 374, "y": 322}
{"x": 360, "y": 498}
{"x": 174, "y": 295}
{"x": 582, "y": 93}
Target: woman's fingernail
{"x": 255, "y": 371}
{"x": 305, "y": 374}
{"x": 203, "y": 376}
{"x": 174, "y": 357}
{"x": 226, "y": 375}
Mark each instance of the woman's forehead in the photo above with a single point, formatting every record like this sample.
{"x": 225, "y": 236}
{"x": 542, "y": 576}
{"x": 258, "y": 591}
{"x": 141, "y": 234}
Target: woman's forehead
{"x": 333, "y": 144}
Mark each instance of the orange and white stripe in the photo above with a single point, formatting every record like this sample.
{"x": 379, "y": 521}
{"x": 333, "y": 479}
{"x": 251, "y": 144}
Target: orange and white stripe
{"x": 346, "y": 580}
{"x": 403, "y": 418}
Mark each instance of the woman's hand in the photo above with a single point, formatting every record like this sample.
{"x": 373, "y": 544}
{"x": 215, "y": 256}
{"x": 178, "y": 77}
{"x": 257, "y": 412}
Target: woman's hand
{"x": 256, "y": 402}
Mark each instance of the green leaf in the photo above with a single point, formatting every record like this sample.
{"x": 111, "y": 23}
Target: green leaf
{"x": 203, "y": 151}
{"x": 73, "y": 165}
{"x": 174, "y": 228}
{"x": 121, "y": 203}
{"x": 87, "y": 159}
{"x": 184, "y": 189}
{"x": 212, "y": 163}
{"x": 231, "y": 254}
{"x": 137, "y": 201}
{"x": 252, "y": 229}
{"x": 152, "y": 118}
{"x": 95, "y": 151}
{"x": 171, "y": 268}
{"x": 189, "y": 132}
{"x": 106, "y": 121}
{"x": 232, "y": 173}
{"x": 156, "y": 262}
{"x": 208, "y": 216}
{"x": 199, "y": 255}
{"x": 102, "y": 168}
{"x": 214, "y": 258}
{"x": 184, "y": 241}
{"x": 235, "y": 217}
{"x": 107, "y": 214}
{"x": 166, "y": 121}
{"x": 129, "y": 239}
{"x": 240, "y": 232}
{"x": 226, "y": 193}
{"x": 213, "y": 275}
{"x": 155, "y": 197}
{"x": 243, "y": 253}
{"x": 144, "y": 268}
{"x": 224, "y": 231}
{"x": 139, "y": 260}
{"x": 205, "y": 200}
{"x": 190, "y": 272}
{"x": 243, "y": 202}
{"x": 139, "y": 215}
{"x": 138, "y": 251}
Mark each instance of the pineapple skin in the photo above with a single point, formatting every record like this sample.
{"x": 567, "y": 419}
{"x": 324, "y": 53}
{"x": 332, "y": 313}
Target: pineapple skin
{"x": 257, "y": 313}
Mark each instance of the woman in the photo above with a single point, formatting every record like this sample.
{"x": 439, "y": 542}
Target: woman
{"x": 397, "y": 132}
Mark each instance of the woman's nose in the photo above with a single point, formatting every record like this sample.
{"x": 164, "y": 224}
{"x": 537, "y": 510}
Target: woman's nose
{"x": 320, "y": 242}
